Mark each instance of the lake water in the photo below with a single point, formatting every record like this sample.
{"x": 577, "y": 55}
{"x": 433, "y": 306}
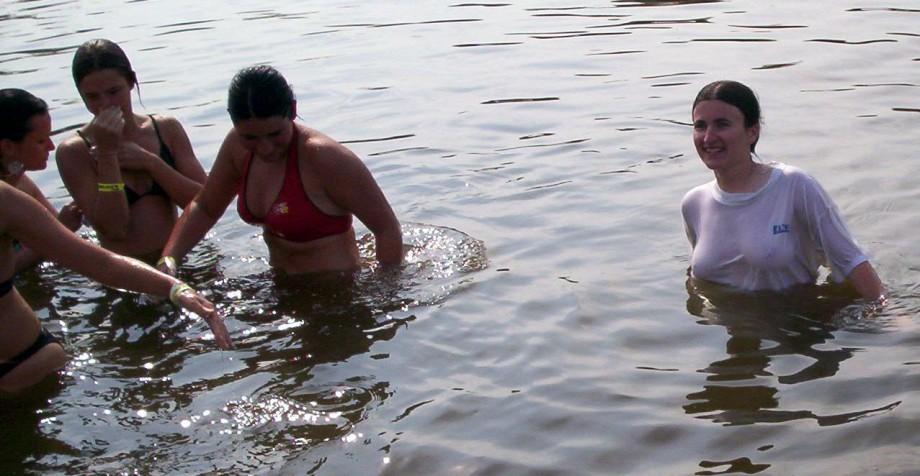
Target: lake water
{"x": 537, "y": 153}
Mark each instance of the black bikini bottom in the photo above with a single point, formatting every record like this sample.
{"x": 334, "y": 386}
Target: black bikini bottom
{"x": 44, "y": 338}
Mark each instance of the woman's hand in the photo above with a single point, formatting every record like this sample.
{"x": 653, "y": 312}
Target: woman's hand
{"x": 106, "y": 129}
{"x": 133, "y": 157}
{"x": 194, "y": 302}
{"x": 71, "y": 216}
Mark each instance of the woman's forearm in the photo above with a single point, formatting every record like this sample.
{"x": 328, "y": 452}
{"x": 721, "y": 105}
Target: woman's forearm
{"x": 110, "y": 214}
{"x": 389, "y": 246}
{"x": 866, "y": 281}
{"x": 189, "y": 230}
{"x": 181, "y": 189}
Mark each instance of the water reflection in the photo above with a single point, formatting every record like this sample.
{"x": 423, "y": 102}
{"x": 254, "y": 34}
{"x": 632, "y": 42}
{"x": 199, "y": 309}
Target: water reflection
{"x": 660, "y": 3}
{"x": 765, "y": 332}
{"x": 145, "y": 374}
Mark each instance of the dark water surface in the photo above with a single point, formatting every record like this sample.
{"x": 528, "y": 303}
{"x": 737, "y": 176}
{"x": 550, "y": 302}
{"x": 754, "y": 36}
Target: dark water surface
{"x": 536, "y": 153}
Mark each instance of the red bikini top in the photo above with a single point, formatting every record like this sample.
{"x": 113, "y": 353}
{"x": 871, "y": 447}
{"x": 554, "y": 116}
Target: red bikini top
{"x": 292, "y": 216}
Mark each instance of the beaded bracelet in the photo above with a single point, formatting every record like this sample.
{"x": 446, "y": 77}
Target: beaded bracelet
{"x": 112, "y": 187}
{"x": 178, "y": 289}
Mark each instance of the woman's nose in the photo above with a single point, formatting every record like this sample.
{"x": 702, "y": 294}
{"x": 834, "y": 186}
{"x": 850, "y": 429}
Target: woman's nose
{"x": 708, "y": 135}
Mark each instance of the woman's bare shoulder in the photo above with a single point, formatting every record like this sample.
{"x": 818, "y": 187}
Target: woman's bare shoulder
{"x": 167, "y": 124}
{"x": 72, "y": 148}
{"x": 326, "y": 153}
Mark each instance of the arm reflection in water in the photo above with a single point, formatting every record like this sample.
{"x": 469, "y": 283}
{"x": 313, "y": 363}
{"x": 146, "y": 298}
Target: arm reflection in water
{"x": 761, "y": 327}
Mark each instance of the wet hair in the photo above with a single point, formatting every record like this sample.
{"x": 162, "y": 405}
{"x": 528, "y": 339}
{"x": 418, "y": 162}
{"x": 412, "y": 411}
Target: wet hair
{"x": 100, "y": 54}
{"x": 259, "y": 92}
{"x": 735, "y": 94}
{"x": 17, "y": 107}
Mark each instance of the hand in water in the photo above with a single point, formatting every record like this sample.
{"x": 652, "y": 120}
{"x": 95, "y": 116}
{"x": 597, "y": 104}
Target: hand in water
{"x": 194, "y": 302}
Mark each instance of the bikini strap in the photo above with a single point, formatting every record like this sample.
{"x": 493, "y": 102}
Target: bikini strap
{"x": 156, "y": 128}
{"x": 85, "y": 140}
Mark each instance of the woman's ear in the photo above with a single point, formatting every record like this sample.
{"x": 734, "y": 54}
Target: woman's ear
{"x": 293, "y": 108}
{"x": 753, "y": 134}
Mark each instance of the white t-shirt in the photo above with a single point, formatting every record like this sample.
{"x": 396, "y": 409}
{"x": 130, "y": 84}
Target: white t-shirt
{"x": 770, "y": 239}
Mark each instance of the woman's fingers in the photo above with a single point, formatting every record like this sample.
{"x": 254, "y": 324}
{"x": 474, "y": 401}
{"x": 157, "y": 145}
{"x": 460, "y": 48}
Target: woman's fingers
{"x": 107, "y": 127}
{"x": 221, "y": 335}
{"x": 195, "y": 303}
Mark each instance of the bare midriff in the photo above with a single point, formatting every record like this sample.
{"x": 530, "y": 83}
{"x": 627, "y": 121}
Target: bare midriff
{"x": 152, "y": 219}
{"x": 330, "y": 253}
{"x": 18, "y": 325}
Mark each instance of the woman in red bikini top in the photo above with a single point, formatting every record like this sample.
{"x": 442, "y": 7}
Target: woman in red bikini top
{"x": 299, "y": 185}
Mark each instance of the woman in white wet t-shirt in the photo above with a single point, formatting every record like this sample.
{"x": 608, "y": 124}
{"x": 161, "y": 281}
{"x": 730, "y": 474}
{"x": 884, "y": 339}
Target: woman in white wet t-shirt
{"x": 761, "y": 226}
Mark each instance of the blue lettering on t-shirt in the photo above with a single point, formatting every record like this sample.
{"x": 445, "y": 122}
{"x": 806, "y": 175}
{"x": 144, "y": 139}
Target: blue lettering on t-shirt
{"x": 777, "y": 229}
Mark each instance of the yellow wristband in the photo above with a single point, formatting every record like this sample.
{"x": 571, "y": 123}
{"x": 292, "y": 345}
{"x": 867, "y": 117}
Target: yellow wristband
{"x": 178, "y": 289}
{"x": 111, "y": 187}
{"x": 169, "y": 262}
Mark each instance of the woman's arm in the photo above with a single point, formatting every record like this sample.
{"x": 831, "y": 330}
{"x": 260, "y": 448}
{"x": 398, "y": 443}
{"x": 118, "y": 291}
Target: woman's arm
{"x": 350, "y": 185}
{"x": 181, "y": 183}
{"x": 26, "y": 220}
{"x": 105, "y": 206}
{"x": 866, "y": 282}
{"x": 828, "y": 230}
{"x": 69, "y": 216}
{"x": 206, "y": 208}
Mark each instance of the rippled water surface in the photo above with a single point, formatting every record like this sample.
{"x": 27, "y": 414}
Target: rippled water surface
{"x": 536, "y": 153}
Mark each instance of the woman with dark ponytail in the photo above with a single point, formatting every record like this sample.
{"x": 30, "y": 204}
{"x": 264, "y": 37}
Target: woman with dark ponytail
{"x": 299, "y": 185}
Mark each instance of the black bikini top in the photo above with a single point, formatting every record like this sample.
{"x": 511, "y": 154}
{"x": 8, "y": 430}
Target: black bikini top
{"x": 131, "y": 195}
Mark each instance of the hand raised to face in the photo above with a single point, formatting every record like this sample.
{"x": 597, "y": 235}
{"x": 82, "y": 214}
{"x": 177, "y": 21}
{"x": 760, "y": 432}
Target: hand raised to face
{"x": 106, "y": 129}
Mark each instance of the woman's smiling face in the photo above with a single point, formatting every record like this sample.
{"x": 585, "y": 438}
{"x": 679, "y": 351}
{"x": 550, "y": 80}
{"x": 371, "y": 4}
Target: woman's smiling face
{"x": 720, "y": 135}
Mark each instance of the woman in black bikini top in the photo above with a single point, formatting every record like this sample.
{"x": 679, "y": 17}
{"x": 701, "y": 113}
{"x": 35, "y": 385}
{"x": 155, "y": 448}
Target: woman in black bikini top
{"x": 128, "y": 181}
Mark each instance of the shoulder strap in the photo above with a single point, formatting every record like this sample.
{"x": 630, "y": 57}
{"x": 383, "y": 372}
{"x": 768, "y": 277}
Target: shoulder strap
{"x": 156, "y": 128}
{"x": 85, "y": 140}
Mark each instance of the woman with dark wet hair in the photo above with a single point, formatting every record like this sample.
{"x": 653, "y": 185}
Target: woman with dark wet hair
{"x": 127, "y": 179}
{"x": 761, "y": 226}
{"x": 25, "y": 140}
{"x": 29, "y": 353}
{"x": 299, "y": 185}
